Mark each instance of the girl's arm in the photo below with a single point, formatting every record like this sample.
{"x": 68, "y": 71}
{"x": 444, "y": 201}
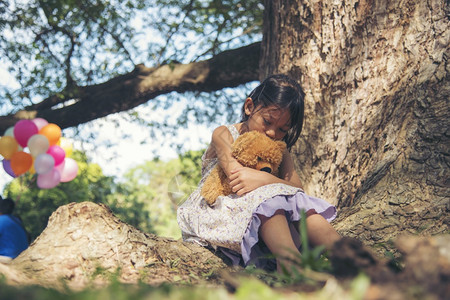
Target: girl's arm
{"x": 221, "y": 148}
{"x": 287, "y": 171}
{"x": 244, "y": 180}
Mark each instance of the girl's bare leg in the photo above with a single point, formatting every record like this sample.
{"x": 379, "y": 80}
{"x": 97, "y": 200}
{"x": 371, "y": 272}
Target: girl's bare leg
{"x": 283, "y": 240}
{"x": 276, "y": 234}
{"x": 320, "y": 232}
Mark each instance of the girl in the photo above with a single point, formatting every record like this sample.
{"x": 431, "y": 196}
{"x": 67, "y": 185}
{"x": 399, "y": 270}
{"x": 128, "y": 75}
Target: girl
{"x": 261, "y": 217}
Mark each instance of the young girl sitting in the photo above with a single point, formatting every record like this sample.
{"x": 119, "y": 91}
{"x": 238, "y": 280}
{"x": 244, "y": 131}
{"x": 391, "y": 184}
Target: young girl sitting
{"x": 262, "y": 215}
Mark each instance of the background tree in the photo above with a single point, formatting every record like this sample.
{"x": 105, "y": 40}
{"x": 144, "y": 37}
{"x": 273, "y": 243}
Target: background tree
{"x": 146, "y": 198}
{"x": 34, "y": 206}
{"x": 160, "y": 187}
{"x": 376, "y": 76}
{"x": 68, "y": 56}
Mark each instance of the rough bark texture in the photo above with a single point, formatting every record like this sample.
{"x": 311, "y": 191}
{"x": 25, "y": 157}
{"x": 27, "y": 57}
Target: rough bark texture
{"x": 84, "y": 243}
{"x": 376, "y": 137}
{"x": 79, "y": 105}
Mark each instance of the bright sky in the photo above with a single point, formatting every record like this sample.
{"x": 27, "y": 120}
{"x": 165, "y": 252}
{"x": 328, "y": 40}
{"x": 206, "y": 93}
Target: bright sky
{"x": 124, "y": 154}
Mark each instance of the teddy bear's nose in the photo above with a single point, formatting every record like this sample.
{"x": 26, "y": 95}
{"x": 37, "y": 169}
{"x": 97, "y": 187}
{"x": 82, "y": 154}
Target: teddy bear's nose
{"x": 266, "y": 169}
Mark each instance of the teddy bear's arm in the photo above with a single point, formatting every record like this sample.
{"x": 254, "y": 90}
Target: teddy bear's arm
{"x": 211, "y": 187}
{"x": 215, "y": 185}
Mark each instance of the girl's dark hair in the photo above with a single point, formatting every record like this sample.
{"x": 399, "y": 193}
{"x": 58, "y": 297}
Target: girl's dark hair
{"x": 285, "y": 93}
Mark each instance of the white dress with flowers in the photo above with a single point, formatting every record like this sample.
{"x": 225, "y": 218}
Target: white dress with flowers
{"x": 233, "y": 222}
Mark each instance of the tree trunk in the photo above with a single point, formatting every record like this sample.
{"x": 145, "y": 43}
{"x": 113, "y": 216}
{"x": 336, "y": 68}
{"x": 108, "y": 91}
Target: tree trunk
{"x": 376, "y": 135}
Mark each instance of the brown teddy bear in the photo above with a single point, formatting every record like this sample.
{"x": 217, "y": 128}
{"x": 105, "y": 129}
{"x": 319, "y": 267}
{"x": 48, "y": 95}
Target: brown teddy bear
{"x": 251, "y": 149}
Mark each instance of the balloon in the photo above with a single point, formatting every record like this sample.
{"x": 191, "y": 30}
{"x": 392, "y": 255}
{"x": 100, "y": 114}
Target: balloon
{"x": 8, "y": 146}
{"x": 38, "y": 144}
{"x": 66, "y": 145}
{"x": 44, "y": 163}
{"x": 7, "y": 168}
{"x": 58, "y": 154}
{"x": 40, "y": 122}
{"x": 70, "y": 170}
{"x": 21, "y": 162}
{"x": 10, "y": 131}
{"x": 32, "y": 170}
{"x": 60, "y": 167}
{"x": 48, "y": 180}
{"x": 52, "y": 132}
{"x": 23, "y": 130}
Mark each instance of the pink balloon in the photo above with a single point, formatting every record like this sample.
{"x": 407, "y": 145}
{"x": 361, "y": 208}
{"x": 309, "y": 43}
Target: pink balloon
{"x": 44, "y": 163}
{"x": 58, "y": 154}
{"x": 40, "y": 122}
{"x": 70, "y": 170}
{"x": 48, "y": 180}
{"x": 23, "y": 130}
{"x": 7, "y": 168}
{"x": 60, "y": 167}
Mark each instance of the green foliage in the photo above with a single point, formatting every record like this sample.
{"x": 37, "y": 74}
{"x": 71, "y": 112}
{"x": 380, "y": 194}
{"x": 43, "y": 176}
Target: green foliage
{"x": 34, "y": 205}
{"x": 160, "y": 186}
{"x": 52, "y": 46}
{"x": 147, "y": 199}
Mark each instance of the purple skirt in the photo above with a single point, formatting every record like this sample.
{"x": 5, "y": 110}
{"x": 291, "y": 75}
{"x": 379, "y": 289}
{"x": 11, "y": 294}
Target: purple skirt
{"x": 254, "y": 251}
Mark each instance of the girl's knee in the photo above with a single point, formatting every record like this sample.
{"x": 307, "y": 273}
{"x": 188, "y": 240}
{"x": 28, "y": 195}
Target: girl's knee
{"x": 264, "y": 218}
{"x": 311, "y": 212}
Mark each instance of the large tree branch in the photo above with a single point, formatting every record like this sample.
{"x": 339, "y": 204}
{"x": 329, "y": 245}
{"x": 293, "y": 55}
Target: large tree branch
{"x": 227, "y": 69}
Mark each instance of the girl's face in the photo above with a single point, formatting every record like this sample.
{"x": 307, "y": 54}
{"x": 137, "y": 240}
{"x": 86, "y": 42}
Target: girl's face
{"x": 272, "y": 121}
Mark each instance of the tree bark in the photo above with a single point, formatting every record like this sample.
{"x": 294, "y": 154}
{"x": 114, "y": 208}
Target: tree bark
{"x": 376, "y": 135}
{"x": 84, "y": 244}
{"x": 78, "y": 105}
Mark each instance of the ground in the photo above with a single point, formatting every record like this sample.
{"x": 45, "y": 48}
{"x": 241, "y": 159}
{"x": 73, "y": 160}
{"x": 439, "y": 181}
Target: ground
{"x": 85, "y": 245}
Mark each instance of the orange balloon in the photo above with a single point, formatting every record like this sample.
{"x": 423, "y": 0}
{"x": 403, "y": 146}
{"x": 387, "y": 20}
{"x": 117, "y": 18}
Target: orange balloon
{"x": 52, "y": 132}
{"x": 21, "y": 162}
{"x": 8, "y": 146}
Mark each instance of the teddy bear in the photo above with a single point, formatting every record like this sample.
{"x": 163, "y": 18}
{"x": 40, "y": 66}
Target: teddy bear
{"x": 252, "y": 149}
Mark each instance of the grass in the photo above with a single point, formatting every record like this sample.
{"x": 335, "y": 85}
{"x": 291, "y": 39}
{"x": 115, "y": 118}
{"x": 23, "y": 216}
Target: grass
{"x": 306, "y": 267}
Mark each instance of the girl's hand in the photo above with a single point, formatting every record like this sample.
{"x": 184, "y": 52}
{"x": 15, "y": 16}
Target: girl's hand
{"x": 244, "y": 180}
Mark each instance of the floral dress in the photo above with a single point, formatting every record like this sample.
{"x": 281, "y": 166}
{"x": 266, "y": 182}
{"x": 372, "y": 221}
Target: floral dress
{"x": 232, "y": 223}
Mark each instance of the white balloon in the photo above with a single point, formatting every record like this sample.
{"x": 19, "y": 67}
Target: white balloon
{"x": 38, "y": 144}
{"x": 44, "y": 163}
{"x": 70, "y": 170}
